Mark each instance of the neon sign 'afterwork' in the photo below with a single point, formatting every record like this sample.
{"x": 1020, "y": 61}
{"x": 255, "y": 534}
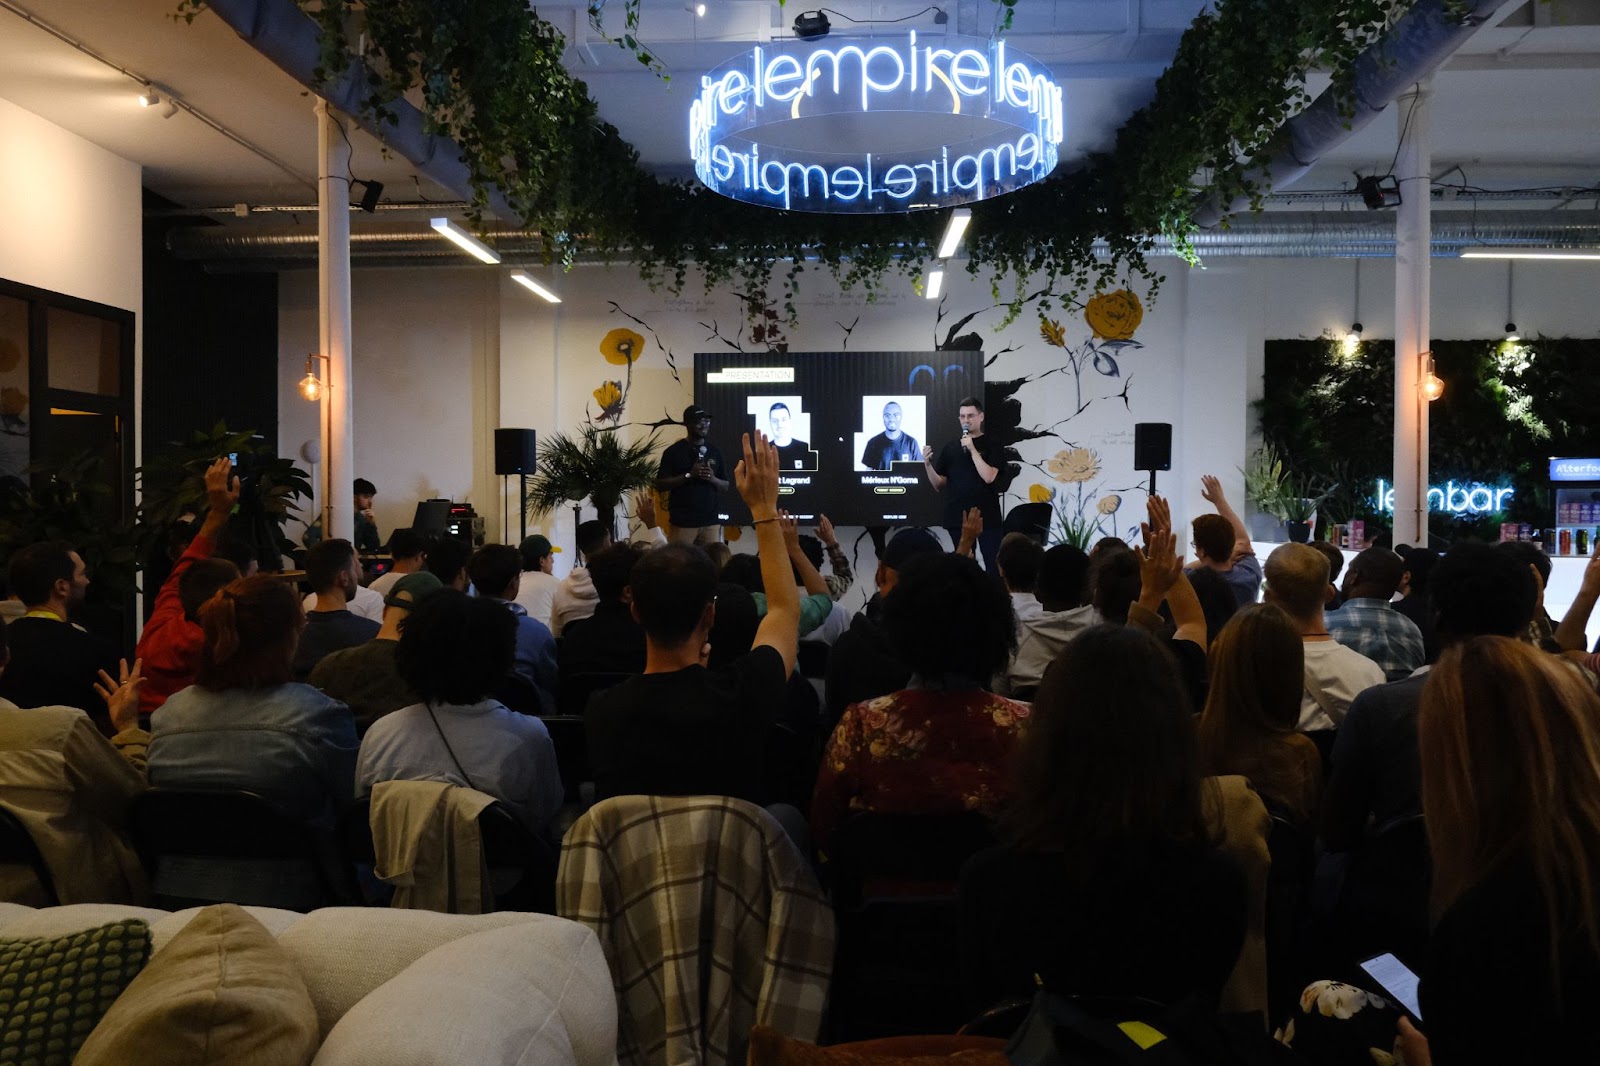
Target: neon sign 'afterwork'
{"x": 866, "y": 126}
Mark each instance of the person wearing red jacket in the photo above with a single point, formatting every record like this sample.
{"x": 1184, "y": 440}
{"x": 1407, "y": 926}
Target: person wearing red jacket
{"x": 170, "y": 644}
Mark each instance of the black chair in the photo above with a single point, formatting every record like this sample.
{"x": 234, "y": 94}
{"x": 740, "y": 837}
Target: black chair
{"x": 522, "y": 866}
{"x": 894, "y": 880}
{"x": 17, "y": 848}
{"x": 519, "y": 694}
{"x": 572, "y": 695}
{"x": 571, "y": 742}
{"x": 222, "y": 826}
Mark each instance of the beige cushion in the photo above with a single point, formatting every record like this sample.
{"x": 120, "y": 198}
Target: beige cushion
{"x": 25, "y": 923}
{"x": 535, "y": 993}
{"x": 221, "y": 993}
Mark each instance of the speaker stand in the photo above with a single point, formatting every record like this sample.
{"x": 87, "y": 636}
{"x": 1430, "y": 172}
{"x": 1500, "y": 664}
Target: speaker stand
{"x": 522, "y": 479}
{"x": 1152, "y": 482}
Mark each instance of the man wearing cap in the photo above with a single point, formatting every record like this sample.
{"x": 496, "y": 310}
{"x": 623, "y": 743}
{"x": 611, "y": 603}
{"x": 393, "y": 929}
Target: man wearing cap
{"x": 862, "y": 664}
{"x": 693, "y": 474}
{"x": 408, "y": 551}
{"x": 367, "y": 676}
{"x": 536, "y": 591}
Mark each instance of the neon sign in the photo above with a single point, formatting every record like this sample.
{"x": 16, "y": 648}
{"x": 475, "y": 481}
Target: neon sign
{"x": 869, "y": 127}
{"x": 1470, "y": 498}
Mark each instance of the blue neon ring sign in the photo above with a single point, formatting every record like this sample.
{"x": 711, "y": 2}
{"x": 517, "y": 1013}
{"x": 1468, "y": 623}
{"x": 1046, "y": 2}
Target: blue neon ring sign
{"x": 872, "y": 125}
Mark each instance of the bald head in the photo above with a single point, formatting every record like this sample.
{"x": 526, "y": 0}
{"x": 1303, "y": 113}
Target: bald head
{"x": 1297, "y": 579}
{"x": 1375, "y": 573}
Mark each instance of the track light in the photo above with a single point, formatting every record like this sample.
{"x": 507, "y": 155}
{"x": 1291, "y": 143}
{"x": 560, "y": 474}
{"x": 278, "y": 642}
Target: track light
{"x": 1512, "y": 336}
{"x": 464, "y": 240}
{"x": 960, "y": 218}
{"x": 152, "y": 98}
{"x": 810, "y": 25}
{"x": 935, "y": 284}
{"x": 521, "y": 278}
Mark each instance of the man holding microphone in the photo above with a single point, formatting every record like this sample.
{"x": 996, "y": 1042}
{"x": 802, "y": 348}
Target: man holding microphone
{"x": 965, "y": 470}
{"x": 693, "y": 474}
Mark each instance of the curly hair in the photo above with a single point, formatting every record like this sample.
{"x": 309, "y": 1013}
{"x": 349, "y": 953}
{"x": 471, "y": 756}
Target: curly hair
{"x": 456, "y": 648}
{"x": 948, "y": 619}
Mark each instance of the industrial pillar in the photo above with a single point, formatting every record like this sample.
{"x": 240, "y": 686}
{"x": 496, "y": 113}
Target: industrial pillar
{"x": 333, "y": 305}
{"x": 1412, "y": 273}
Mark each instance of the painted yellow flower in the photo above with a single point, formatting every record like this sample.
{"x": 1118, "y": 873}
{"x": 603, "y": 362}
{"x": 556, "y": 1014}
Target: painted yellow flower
{"x": 609, "y": 397}
{"x": 1040, "y": 494}
{"x": 1075, "y": 465}
{"x": 1053, "y": 332}
{"x": 1114, "y": 315}
{"x": 1109, "y": 504}
{"x": 622, "y": 346}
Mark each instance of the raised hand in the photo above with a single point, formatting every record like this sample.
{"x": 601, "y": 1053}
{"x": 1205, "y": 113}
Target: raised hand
{"x": 789, "y": 526}
{"x": 927, "y": 453}
{"x": 222, "y": 488}
{"x": 644, "y": 505}
{"x": 1160, "y": 566}
{"x": 829, "y": 539}
{"x": 757, "y": 476}
{"x": 122, "y": 694}
{"x": 971, "y": 530}
{"x": 1160, "y": 513}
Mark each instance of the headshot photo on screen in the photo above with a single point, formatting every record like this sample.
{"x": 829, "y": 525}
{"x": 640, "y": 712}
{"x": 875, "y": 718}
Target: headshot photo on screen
{"x": 893, "y": 428}
{"x": 788, "y": 425}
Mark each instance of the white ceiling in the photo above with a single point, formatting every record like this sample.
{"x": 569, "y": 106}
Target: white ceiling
{"x": 1519, "y": 106}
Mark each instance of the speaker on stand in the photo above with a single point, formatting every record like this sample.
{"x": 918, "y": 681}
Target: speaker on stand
{"x": 516, "y": 452}
{"x": 1152, "y": 448}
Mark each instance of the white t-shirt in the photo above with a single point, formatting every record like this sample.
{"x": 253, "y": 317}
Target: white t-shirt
{"x": 384, "y": 583}
{"x": 537, "y": 592}
{"x": 367, "y": 604}
{"x": 1340, "y": 673}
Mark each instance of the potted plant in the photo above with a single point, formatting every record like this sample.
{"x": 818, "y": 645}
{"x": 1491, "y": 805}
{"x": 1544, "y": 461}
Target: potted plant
{"x": 1301, "y": 498}
{"x": 595, "y": 466}
{"x": 1263, "y": 490}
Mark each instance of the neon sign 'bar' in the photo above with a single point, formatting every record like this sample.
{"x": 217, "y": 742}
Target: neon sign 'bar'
{"x": 1453, "y": 499}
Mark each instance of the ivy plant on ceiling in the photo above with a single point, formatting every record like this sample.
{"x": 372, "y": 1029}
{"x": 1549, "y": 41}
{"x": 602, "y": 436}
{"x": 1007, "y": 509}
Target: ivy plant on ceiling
{"x": 489, "y": 75}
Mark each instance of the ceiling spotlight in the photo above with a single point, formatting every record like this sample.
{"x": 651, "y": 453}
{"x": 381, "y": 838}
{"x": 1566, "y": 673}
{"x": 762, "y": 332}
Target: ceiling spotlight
{"x": 695, "y": 8}
{"x": 809, "y": 25}
{"x": 1378, "y": 193}
{"x": 935, "y": 284}
{"x": 1511, "y": 333}
{"x": 465, "y": 241}
{"x": 152, "y": 98}
{"x": 521, "y": 278}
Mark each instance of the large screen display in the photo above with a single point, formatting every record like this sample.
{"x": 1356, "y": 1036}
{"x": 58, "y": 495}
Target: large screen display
{"x": 850, "y": 427}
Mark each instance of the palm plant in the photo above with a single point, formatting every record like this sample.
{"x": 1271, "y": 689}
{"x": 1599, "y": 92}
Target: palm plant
{"x": 1264, "y": 481}
{"x": 595, "y": 466}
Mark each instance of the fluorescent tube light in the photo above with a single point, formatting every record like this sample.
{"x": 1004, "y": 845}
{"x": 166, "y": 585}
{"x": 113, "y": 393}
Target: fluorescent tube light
{"x": 1531, "y": 253}
{"x": 953, "y": 231}
{"x": 935, "y": 283}
{"x": 521, "y": 278}
{"x": 465, "y": 241}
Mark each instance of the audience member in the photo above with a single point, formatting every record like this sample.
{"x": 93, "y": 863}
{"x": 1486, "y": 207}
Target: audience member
{"x": 1297, "y": 579}
{"x": 1114, "y": 585}
{"x": 246, "y": 725}
{"x": 821, "y": 619}
{"x": 454, "y": 652}
{"x": 1367, "y": 624}
{"x": 447, "y": 560}
{"x": 1375, "y": 778}
{"x": 334, "y": 573}
{"x": 235, "y": 545}
{"x": 366, "y": 678}
{"x": 1018, "y": 561}
{"x": 71, "y": 788}
{"x": 495, "y": 570}
{"x": 169, "y": 646}
{"x": 1252, "y": 708}
{"x": 54, "y": 663}
{"x": 408, "y": 554}
{"x": 719, "y": 554}
{"x": 1164, "y": 592}
{"x": 862, "y": 664}
{"x": 1222, "y": 543}
{"x": 680, "y": 728}
{"x": 840, "y": 576}
{"x": 1216, "y": 597}
{"x": 537, "y": 589}
{"x": 361, "y": 601}
{"x": 1062, "y": 591}
{"x": 576, "y": 597}
{"x": 1572, "y": 634}
{"x": 609, "y": 641}
{"x": 1111, "y": 883}
{"x": 1541, "y": 628}
{"x": 942, "y": 744}
{"x": 1510, "y": 743}
{"x": 1335, "y": 559}
{"x": 1414, "y": 602}
{"x": 1103, "y": 547}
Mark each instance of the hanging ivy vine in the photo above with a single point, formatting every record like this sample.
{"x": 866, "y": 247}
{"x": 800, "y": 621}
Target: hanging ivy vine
{"x": 489, "y": 75}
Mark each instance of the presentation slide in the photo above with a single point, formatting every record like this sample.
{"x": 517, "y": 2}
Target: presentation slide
{"x": 850, "y": 427}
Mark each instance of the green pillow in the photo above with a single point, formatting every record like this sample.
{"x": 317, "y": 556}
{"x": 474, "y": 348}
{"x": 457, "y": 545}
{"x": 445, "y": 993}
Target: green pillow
{"x": 53, "y": 992}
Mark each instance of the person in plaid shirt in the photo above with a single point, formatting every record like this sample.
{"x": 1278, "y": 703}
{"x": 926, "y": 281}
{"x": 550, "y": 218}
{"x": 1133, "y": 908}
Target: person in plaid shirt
{"x": 1368, "y": 624}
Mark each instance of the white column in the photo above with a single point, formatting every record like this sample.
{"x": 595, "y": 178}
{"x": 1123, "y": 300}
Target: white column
{"x": 1412, "y": 269}
{"x": 333, "y": 304}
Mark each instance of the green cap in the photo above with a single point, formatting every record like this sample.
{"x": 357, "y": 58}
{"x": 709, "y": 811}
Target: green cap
{"x": 418, "y": 587}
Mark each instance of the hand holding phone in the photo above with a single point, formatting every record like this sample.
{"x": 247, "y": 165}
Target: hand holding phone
{"x": 1397, "y": 979}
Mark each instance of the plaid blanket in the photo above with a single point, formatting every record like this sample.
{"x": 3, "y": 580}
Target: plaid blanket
{"x": 710, "y": 920}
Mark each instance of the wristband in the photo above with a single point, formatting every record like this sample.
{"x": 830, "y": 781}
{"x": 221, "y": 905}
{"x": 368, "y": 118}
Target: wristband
{"x": 761, "y": 521}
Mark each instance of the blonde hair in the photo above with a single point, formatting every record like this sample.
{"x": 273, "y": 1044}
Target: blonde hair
{"x": 1509, "y": 739}
{"x": 1297, "y": 579}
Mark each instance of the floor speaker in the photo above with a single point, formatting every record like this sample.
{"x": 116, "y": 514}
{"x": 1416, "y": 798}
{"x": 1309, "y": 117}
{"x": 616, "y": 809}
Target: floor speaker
{"x": 515, "y": 451}
{"x": 1152, "y": 446}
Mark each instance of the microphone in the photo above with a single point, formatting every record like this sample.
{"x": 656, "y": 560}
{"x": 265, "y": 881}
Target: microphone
{"x": 701, "y": 455}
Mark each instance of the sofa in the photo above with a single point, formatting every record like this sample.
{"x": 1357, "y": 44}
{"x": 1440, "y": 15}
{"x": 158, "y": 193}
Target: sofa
{"x": 391, "y": 987}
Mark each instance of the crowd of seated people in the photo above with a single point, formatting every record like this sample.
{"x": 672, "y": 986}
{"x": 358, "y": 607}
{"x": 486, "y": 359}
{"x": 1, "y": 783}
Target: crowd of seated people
{"x": 1126, "y": 724}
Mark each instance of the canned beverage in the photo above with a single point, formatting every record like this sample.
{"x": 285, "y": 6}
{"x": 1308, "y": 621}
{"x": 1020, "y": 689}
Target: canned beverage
{"x": 1582, "y": 541}
{"x": 1566, "y": 541}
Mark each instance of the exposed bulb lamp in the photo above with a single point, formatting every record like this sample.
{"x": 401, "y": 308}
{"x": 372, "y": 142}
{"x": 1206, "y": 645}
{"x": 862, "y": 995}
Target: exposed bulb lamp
{"x": 1432, "y": 388}
{"x": 954, "y": 230}
{"x": 521, "y": 278}
{"x": 465, "y": 241}
{"x": 1352, "y": 340}
{"x": 1511, "y": 333}
{"x": 935, "y": 284}
{"x": 311, "y": 386}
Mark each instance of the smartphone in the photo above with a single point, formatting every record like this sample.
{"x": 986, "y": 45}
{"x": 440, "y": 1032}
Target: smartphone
{"x": 233, "y": 457}
{"x": 1395, "y": 978}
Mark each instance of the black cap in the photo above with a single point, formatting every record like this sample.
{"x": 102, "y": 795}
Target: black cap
{"x": 693, "y": 413}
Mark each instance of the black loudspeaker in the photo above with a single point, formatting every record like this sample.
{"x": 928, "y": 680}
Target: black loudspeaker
{"x": 515, "y": 451}
{"x": 1152, "y": 446}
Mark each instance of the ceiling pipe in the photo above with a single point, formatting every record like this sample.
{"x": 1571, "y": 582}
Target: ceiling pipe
{"x": 1415, "y": 46}
{"x": 279, "y": 30}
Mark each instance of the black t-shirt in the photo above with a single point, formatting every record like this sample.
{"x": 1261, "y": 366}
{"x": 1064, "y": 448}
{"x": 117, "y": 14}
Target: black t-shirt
{"x": 966, "y": 489}
{"x": 694, "y": 503}
{"x": 691, "y": 732}
{"x": 55, "y": 664}
{"x": 796, "y": 455}
{"x": 329, "y": 631}
{"x": 881, "y": 453}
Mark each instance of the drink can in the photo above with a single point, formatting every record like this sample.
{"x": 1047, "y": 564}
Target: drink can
{"x": 1549, "y": 540}
{"x": 1566, "y": 542}
{"x": 1508, "y": 531}
{"x": 1582, "y": 540}
{"x": 1357, "y": 534}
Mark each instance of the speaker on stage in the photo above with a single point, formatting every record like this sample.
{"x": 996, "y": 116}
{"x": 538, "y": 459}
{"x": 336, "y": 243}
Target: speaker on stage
{"x": 515, "y": 451}
{"x": 1152, "y": 446}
